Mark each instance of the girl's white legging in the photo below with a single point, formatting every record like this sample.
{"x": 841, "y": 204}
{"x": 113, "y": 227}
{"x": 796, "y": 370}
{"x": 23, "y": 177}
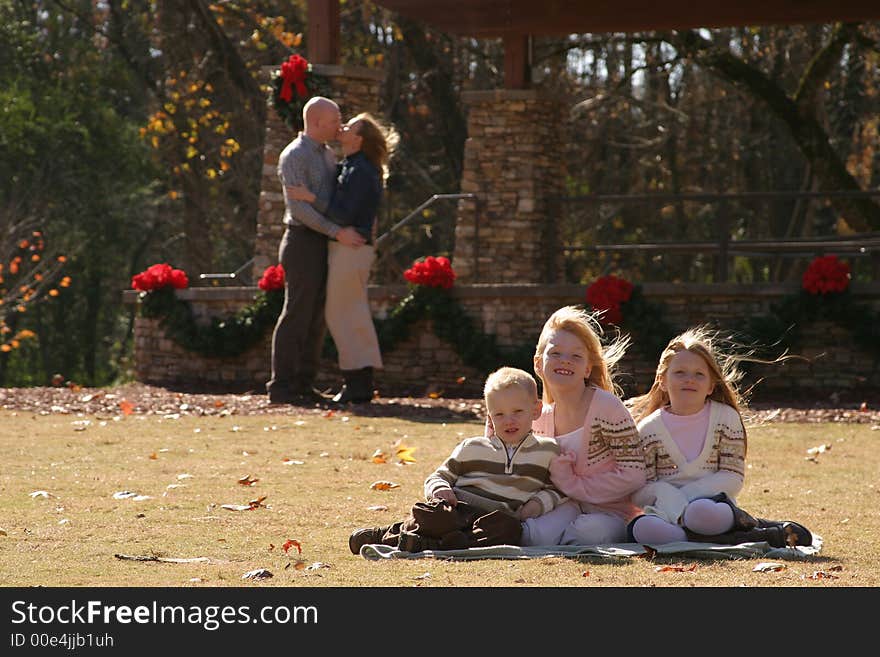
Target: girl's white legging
{"x": 566, "y": 525}
{"x": 701, "y": 516}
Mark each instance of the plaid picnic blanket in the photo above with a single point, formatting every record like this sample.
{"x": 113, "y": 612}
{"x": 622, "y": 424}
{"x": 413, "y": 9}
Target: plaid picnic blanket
{"x": 603, "y": 552}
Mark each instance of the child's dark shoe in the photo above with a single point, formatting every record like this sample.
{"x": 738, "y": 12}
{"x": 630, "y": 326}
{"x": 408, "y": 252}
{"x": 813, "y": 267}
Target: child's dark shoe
{"x": 365, "y": 536}
{"x": 796, "y": 534}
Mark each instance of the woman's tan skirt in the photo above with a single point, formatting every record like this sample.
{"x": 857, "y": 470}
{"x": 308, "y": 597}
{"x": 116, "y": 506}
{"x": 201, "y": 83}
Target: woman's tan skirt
{"x": 347, "y": 310}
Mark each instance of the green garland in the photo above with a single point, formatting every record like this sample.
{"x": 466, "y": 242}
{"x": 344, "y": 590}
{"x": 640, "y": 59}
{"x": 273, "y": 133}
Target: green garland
{"x": 647, "y": 320}
{"x": 222, "y": 337}
{"x": 452, "y": 325}
{"x": 231, "y": 336}
{"x": 782, "y": 327}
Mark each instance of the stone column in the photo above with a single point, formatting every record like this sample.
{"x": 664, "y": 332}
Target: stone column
{"x": 356, "y": 89}
{"x": 513, "y": 162}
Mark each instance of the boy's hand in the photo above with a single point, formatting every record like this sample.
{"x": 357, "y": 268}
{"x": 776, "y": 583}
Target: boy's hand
{"x": 530, "y": 509}
{"x": 446, "y": 495}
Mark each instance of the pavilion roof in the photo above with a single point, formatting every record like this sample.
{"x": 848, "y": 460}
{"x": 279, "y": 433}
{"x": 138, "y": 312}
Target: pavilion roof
{"x": 499, "y": 18}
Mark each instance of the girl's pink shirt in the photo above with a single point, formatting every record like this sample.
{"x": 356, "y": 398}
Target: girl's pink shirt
{"x": 608, "y": 462}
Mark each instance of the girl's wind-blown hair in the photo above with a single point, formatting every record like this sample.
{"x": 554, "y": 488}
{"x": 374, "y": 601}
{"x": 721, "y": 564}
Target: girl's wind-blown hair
{"x": 603, "y": 358}
{"x": 722, "y": 355}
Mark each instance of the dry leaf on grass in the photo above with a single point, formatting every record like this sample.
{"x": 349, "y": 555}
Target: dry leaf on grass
{"x": 128, "y": 495}
{"x": 649, "y": 554}
{"x": 259, "y": 573}
{"x": 247, "y": 480}
{"x": 289, "y": 543}
{"x": 253, "y": 504}
{"x": 675, "y": 569}
{"x": 768, "y": 567}
{"x": 821, "y": 574}
{"x": 287, "y": 461}
{"x": 383, "y": 485}
{"x": 405, "y": 454}
{"x": 126, "y": 407}
{"x": 138, "y": 557}
{"x": 378, "y": 457}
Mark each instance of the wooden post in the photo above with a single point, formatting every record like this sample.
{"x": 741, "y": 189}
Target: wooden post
{"x": 517, "y": 67}
{"x": 323, "y": 31}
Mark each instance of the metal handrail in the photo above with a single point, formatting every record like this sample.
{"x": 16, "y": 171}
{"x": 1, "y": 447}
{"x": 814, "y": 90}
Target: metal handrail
{"x": 433, "y": 199}
{"x": 226, "y": 276}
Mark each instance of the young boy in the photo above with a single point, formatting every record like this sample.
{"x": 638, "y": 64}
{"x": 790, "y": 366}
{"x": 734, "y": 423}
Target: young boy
{"x": 481, "y": 494}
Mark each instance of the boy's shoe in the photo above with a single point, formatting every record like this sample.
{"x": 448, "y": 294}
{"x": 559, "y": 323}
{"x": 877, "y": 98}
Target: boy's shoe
{"x": 365, "y": 536}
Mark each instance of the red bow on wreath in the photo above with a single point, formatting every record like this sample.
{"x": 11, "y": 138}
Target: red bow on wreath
{"x": 293, "y": 71}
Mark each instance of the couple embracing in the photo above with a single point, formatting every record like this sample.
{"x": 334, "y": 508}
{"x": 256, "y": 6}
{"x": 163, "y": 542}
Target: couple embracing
{"x": 327, "y": 251}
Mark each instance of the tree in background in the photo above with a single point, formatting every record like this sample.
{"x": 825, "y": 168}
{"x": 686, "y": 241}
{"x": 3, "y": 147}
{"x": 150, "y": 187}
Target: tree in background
{"x": 72, "y": 167}
{"x": 134, "y": 131}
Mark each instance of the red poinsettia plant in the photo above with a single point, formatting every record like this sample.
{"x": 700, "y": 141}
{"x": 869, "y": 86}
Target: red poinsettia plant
{"x": 826, "y": 274}
{"x": 431, "y": 272}
{"x": 607, "y": 294}
{"x": 272, "y": 278}
{"x": 159, "y": 276}
{"x": 294, "y": 83}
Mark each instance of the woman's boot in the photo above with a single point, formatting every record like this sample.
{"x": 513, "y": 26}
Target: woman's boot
{"x": 358, "y": 386}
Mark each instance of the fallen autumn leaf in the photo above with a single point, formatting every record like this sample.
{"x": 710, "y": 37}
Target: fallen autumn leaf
{"x": 383, "y": 485}
{"x": 768, "y": 567}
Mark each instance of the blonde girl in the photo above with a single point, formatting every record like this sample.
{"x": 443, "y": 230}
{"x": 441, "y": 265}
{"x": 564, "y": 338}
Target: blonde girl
{"x": 694, "y": 440}
{"x": 600, "y": 463}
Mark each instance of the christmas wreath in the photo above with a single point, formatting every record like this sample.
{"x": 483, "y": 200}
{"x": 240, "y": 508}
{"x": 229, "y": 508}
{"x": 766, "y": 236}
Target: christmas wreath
{"x": 293, "y": 85}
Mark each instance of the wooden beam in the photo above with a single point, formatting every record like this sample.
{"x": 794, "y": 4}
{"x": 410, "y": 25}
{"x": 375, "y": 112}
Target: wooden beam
{"x": 496, "y": 18}
{"x": 517, "y": 64}
{"x": 322, "y": 35}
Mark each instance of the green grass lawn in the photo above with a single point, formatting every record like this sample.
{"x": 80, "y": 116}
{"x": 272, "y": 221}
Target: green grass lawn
{"x": 60, "y": 524}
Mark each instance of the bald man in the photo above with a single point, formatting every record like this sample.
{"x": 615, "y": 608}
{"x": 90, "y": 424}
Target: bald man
{"x": 299, "y": 332}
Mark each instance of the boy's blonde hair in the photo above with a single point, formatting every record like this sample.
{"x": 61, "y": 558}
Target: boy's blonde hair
{"x": 508, "y": 377}
{"x": 585, "y": 326}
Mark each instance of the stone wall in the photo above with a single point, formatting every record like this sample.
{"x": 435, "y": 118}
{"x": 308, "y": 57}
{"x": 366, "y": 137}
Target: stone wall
{"x": 356, "y": 90}
{"x": 515, "y": 313}
{"x": 512, "y": 162}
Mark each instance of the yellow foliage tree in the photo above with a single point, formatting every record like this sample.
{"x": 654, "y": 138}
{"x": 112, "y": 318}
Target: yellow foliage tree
{"x": 27, "y": 276}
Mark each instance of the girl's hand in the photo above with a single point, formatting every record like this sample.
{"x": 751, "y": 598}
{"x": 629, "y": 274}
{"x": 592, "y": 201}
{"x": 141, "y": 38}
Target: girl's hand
{"x": 565, "y": 458}
{"x": 299, "y": 193}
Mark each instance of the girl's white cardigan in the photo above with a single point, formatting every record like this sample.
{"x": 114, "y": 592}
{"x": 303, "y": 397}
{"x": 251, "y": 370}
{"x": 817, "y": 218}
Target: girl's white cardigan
{"x": 672, "y": 481}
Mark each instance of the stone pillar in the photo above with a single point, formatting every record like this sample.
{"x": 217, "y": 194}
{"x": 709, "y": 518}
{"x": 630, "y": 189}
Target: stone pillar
{"x": 355, "y": 89}
{"x": 513, "y": 162}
